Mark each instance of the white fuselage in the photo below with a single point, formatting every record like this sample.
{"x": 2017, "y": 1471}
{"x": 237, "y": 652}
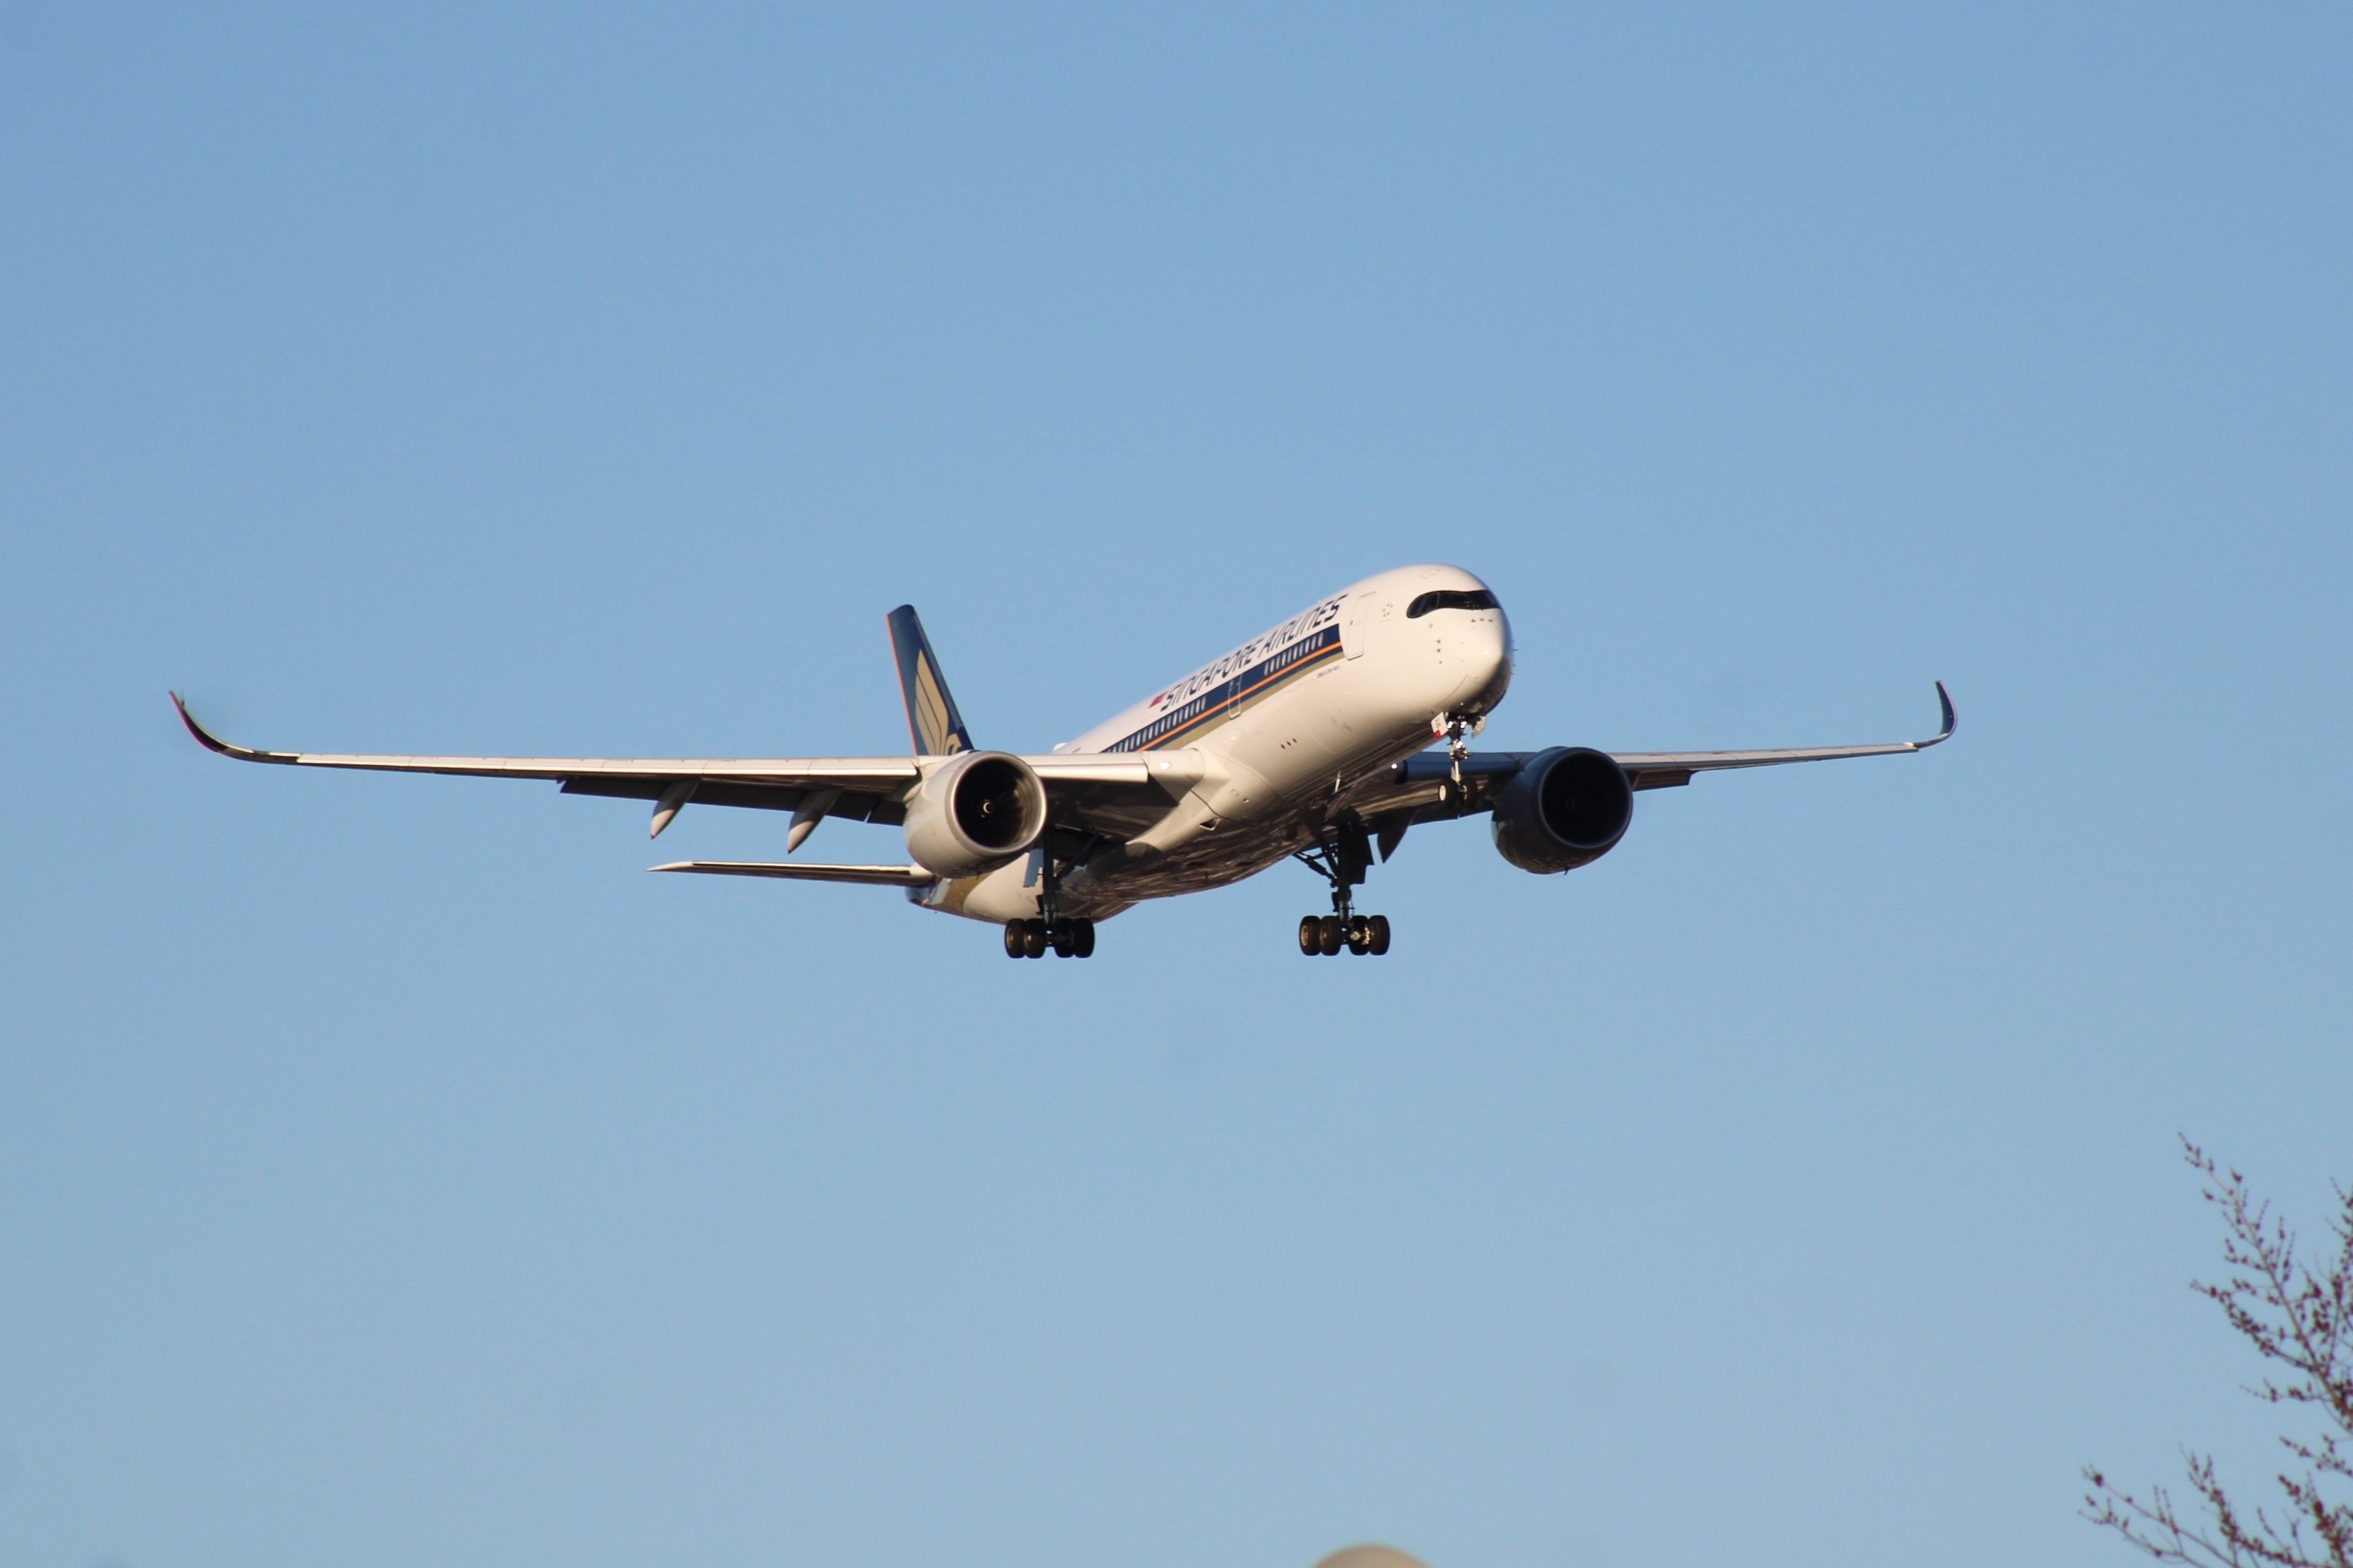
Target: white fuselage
{"x": 1256, "y": 752}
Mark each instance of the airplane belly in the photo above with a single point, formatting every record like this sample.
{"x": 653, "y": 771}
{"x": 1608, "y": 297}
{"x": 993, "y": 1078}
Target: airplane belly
{"x": 1235, "y": 851}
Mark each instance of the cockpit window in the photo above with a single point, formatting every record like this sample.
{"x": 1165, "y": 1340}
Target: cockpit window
{"x": 1450, "y": 599}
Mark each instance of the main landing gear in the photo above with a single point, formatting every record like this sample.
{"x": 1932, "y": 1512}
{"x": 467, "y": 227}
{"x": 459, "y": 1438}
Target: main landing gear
{"x": 1068, "y": 937}
{"x": 1330, "y": 934}
{"x": 1032, "y": 939}
{"x": 1341, "y": 860}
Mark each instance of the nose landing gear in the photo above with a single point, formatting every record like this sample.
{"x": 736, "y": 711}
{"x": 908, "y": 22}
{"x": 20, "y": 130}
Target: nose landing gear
{"x": 1456, "y": 730}
{"x": 1341, "y": 860}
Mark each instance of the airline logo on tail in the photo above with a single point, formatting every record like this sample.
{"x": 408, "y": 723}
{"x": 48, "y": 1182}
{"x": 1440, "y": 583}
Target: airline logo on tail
{"x": 933, "y": 722}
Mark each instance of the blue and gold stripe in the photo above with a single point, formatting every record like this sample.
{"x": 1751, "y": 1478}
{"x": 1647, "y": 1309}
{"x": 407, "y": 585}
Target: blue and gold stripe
{"x": 1190, "y": 719}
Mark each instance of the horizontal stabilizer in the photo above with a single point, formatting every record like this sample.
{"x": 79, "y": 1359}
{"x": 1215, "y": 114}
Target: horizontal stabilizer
{"x": 797, "y": 872}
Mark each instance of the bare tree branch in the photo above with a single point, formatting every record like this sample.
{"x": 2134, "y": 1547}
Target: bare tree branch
{"x": 2301, "y": 1323}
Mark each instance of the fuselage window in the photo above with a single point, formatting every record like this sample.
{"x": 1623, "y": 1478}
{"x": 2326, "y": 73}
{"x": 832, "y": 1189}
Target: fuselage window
{"x": 1450, "y": 599}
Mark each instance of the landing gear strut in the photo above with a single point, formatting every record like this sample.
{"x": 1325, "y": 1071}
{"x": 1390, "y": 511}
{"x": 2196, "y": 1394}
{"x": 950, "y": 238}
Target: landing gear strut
{"x": 1067, "y": 938}
{"x": 1456, "y": 730}
{"x": 1341, "y": 860}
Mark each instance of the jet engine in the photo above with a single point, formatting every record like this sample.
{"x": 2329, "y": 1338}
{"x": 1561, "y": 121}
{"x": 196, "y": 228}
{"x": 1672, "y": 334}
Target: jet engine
{"x": 975, "y": 813}
{"x": 1565, "y": 808}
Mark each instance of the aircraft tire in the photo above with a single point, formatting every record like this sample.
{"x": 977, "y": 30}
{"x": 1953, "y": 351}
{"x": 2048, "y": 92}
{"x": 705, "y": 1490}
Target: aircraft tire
{"x": 1082, "y": 939}
{"x": 1310, "y": 935}
{"x": 1015, "y": 939}
{"x": 1376, "y": 932}
{"x": 1328, "y": 935}
{"x": 1359, "y": 935}
{"x": 1033, "y": 939}
{"x": 1064, "y": 938}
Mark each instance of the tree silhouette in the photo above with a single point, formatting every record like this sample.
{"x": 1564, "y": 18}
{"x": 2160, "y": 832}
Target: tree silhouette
{"x": 2300, "y": 1320}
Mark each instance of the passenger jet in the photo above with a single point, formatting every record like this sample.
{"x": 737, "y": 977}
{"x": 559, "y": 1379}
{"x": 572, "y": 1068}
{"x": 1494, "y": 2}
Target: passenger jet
{"x": 1307, "y": 743}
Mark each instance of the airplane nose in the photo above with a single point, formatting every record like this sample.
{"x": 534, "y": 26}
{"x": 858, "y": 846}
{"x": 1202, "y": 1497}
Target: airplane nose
{"x": 1487, "y": 668}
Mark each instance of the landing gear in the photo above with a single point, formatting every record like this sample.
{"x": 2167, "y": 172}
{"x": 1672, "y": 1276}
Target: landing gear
{"x": 1034, "y": 939}
{"x": 1456, "y": 730}
{"x": 1068, "y": 937}
{"x": 1331, "y": 935}
{"x": 1341, "y": 860}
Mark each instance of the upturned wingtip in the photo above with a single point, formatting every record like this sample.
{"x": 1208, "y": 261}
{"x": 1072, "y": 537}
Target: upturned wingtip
{"x": 1945, "y": 711}
{"x": 205, "y": 738}
{"x": 212, "y": 742}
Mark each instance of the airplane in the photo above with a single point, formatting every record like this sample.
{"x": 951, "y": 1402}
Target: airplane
{"x": 1309, "y": 742}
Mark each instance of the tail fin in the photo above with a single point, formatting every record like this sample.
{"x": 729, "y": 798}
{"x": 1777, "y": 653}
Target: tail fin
{"x": 931, "y": 716}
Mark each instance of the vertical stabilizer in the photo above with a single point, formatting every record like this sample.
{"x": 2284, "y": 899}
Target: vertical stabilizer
{"x": 931, "y": 716}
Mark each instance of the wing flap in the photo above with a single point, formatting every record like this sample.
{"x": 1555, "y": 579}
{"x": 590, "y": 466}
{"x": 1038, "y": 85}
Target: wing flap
{"x": 1091, "y": 768}
{"x": 848, "y": 805}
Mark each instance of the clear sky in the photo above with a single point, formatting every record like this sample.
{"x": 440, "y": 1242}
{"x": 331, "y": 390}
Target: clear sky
{"x": 392, "y": 1172}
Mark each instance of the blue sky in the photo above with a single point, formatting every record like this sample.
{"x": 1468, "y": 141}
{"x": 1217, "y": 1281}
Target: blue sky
{"x": 391, "y": 1172}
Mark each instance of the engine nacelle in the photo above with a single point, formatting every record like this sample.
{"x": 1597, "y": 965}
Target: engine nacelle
{"x": 1567, "y": 807}
{"x": 975, "y": 813}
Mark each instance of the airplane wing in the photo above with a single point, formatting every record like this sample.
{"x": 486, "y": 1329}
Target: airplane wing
{"x": 1664, "y": 770}
{"x": 867, "y": 789}
{"x": 1423, "y": 784}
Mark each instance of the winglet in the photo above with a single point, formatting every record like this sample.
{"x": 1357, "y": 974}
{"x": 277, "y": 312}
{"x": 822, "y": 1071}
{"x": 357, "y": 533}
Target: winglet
{"x": 212, "y": 742}
{"x": 1945, "y": 702}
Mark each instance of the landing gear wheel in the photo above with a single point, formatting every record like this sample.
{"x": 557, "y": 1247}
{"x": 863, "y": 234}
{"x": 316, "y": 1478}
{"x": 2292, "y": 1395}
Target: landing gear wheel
{"x": 1082, "y": 939}
{"x": 1016, "y": 939}
{"x": 1033, "y": 939}
{"x": 1065, "y": 940}
{"x": 1341, "y": 853}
